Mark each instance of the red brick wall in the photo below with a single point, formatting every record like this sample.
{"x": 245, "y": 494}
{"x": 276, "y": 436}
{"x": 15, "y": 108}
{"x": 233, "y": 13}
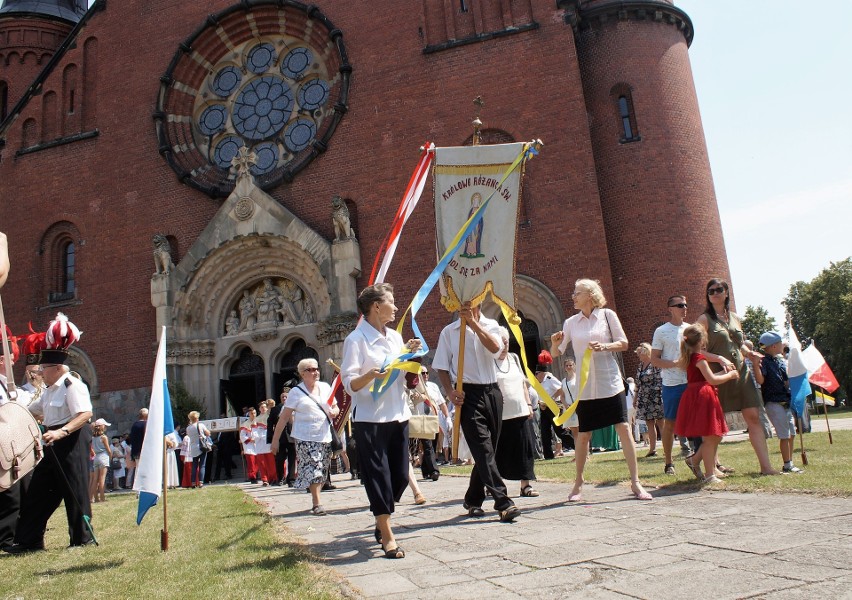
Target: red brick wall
{"x": 117, "y": 190}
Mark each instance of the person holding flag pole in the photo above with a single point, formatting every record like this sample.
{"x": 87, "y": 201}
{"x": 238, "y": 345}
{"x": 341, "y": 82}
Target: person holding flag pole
{"x": 151, "y": 479}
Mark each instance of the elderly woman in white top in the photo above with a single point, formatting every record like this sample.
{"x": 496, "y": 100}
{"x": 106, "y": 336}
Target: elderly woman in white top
{"x": 381, "y": 422}
{"x": 308, "y": 402}
{"x": 515, "y": 453}
{"x": 601, "y": 399}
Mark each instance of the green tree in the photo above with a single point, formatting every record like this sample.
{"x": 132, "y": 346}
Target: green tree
{"x": 183, "y": 403}
{"x": 821, "y": 311}
{"x": 756, "y": 321}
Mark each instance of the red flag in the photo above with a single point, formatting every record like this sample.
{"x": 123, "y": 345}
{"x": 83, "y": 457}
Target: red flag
{"x": 819, "y": 373}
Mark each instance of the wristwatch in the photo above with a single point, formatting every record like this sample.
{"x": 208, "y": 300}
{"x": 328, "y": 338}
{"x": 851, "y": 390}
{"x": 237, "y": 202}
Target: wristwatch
{"x": 65, "y": 430}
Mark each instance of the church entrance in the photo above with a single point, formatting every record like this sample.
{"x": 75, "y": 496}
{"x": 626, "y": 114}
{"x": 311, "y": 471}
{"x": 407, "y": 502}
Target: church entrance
{"x": 245, "y": 385}
{"x": 287, "y": 371}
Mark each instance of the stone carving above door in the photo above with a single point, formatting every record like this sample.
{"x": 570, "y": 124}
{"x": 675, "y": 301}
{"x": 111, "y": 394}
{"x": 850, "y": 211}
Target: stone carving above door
{"x": 272, "y": 303}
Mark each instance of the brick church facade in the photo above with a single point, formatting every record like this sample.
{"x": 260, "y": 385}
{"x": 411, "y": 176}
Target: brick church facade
{"x": 118, "y": 124}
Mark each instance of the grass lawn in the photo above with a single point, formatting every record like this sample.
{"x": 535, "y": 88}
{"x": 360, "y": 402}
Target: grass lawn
{"x": 827, "y": 474}
{"x": 833, "y": 413}
{"x": 221, "y": 545}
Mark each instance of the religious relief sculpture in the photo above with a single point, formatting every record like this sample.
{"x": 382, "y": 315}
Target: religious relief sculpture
{"x": 162, "y": 255}
{"x": 268, "y": 306}
{"x": 232, "y": 324}
{"x": 342, "y": 222}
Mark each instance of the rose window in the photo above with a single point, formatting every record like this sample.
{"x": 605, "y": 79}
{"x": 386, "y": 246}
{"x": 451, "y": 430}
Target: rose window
{"x": 276, "y": 83}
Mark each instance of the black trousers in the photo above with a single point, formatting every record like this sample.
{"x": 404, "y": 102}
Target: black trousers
{"x": 383, "y": 457}
{"x": 547, "y": 429}
{"x": 49, "y": 488}
{"x": 481, "y": 419}
{"x": 427, "y": 464}
{"x": 10, "y": 506}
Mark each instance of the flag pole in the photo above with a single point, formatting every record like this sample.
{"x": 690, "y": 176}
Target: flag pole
{"x": 459, "y": 386}
{"x": 476, "y": 141}
{"x": 825, "y": 412}
{"x": 799, "y": 426}
{"x": 164, "y": 533}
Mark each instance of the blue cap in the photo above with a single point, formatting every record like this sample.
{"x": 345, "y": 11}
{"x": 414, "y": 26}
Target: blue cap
{"x": 769, "y": 338}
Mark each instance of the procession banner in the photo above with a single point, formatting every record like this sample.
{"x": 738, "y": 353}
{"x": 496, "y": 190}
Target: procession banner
{"x": 465, "y": 177}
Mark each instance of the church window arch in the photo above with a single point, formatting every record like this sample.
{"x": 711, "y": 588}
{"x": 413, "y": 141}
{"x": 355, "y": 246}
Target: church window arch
{"x": 60, "y": 250}
{"x": 29, "y": 135}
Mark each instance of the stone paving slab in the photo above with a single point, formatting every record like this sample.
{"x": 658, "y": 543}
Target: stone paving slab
{"x": 691, "y": 545}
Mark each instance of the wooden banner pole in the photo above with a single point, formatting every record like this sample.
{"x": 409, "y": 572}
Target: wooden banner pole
{"x": 459, "y": 386}
{"x": 164, "y": 534}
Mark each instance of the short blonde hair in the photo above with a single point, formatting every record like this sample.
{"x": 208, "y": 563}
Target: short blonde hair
{"x": 193, "y": 416}
{"x": 593, "y": 286}
{"x": 644, "y": 348}
{"x": 307, "y": 362}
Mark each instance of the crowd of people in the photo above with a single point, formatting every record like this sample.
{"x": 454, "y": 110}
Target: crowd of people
{"x": 688, "y": 377}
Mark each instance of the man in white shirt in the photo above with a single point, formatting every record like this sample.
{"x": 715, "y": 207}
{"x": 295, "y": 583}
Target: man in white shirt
{"x": 63, "y": 474}
{"x": 665, "y": 351}
{"x": 480, "y": 402}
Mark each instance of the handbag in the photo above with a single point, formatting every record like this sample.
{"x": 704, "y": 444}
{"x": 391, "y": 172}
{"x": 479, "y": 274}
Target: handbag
{"x": 423, "y": 427}
{"x": 20, "y": 443}
{"x": 205, "y": 442}
{"x": 336, "y": 442}
{"x": 618, "y": 359}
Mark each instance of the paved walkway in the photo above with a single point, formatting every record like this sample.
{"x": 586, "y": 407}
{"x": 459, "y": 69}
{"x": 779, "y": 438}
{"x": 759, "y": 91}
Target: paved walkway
{"x": 681, "y": 545}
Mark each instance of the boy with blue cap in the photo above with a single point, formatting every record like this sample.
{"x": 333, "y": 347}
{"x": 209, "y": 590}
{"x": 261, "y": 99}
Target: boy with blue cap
{"x": 772, "y": 377}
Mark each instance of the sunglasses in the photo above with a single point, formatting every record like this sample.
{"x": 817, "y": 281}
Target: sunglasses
{"x": 715, "y": 290}
{"x": 310, "y": 370}
{"x": 679, "y": 305}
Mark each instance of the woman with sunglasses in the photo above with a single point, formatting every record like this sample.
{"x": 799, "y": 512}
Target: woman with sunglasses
{"x": 308, "y": 403}
{"x": 725, "y": 338}
{"x": 380, "y": 417}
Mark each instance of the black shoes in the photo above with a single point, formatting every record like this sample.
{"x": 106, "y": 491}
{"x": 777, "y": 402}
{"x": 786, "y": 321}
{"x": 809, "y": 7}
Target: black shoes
{"x": 435, "y": 475}
{"x": 473, "y": 511}
{"x": 23, "y": 549}
{"x": 328, "y": 486}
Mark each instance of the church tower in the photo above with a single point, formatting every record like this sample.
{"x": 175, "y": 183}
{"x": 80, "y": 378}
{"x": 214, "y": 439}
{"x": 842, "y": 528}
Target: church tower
{"x": 30, "y": 33}
{"x": 663, "y": 231}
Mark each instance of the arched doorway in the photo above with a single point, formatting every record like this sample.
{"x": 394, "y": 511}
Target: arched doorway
{"x": 530, "y": 333}
{"x": 287, "y": 365}
{"x": 245, "y": 385}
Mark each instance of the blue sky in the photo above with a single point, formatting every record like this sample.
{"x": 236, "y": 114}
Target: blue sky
{"x": 774, "y": 83}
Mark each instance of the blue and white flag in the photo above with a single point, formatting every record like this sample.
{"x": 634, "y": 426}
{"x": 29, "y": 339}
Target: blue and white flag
{"x": 149, "y": 470}
{"x": 800, "y": 389}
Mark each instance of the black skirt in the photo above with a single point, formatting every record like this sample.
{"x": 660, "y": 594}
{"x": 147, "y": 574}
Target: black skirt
{"x": 602, "y": 412}
{"x": 515, "y": 453}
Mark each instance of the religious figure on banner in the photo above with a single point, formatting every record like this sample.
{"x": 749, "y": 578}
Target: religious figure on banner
{"x": 473, "y": 243}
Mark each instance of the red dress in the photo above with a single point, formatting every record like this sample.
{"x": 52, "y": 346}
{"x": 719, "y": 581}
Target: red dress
{"x": 700, "y": 412}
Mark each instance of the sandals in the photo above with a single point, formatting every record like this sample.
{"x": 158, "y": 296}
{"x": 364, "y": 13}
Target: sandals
{"x": 378, "y": 535}
{"x": 651, "y": 454}
{"x": 528, "y": 492}
{"x": 510, "y": 514}
{"x": 473, "y": 511}
{"x": 419, "y": 499}
{"x": 318, "y": 510}
{"x": 724, "y": 469}
{"x": 394, "y": 552}
{"x": 641, "y": 495}
{"x": 694, "y": 466}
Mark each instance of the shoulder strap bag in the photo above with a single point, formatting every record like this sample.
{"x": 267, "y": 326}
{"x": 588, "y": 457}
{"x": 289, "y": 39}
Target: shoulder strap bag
{"x": 336, "y": 442}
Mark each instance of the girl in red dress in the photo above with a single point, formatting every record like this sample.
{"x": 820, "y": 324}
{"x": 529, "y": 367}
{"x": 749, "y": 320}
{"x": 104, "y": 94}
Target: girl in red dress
{"x": 700, "y": 413}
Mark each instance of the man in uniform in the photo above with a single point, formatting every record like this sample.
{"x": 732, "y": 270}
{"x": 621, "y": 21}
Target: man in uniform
{"x": 63, "y": 474}
{"x": 480, "y": 402}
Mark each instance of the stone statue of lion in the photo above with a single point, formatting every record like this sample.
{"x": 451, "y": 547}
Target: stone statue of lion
{"x": 162, "y": 255}
{"x": 340, "y": 216}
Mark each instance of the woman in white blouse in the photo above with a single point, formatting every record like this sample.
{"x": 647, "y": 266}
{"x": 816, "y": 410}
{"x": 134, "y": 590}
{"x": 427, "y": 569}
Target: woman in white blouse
{"x": 380, "y": 420}
{"x": 602, "y": 399}
{"x": 308, "y": 403}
